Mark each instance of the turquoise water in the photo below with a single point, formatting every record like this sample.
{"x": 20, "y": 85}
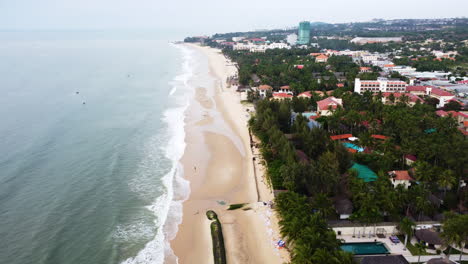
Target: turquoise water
{"x": 93, "y": 182}
{"x": 351, "y": 145}
{"x": 369, "y": 248}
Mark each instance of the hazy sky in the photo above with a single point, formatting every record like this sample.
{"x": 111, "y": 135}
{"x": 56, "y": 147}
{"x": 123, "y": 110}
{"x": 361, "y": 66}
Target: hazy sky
{"x": 209, "y": 16}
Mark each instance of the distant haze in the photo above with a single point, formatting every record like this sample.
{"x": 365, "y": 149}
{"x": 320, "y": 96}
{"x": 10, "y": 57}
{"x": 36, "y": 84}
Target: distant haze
{"x": 209, "y": 16}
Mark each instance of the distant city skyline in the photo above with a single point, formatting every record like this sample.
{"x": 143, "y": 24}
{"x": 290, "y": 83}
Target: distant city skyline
{"x": 208, "y": 16}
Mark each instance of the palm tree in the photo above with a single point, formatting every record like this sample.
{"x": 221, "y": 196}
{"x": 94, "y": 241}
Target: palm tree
{"x": 323, "y": 204}
{"x": 406, "y": 226}
{"x": 420, "y": 248}
{"x": 446, "y": 180}
{"x": 454, "y": 231}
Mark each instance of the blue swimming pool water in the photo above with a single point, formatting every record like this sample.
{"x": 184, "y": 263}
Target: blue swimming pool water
{"x": 366, "y": 248}
{"x": 351, "y": 145}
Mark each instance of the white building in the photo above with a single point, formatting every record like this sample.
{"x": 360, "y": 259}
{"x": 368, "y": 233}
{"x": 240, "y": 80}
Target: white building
{"x": 370, "y": 57}
{"x": 404, "y": 70}
{"x": 360, "y": 41}
{"x": 291, "y": 39}
{"x": 381, "y": 84}
{"x": 278, "y": 46}
{"x": 237, "y": 39}
{"x": 263, "y": 90}
{"x": 400, "y": 178}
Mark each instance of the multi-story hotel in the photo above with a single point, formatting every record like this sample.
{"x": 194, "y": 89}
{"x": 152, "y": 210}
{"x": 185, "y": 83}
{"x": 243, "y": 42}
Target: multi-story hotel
{"x": 381, "y": 84}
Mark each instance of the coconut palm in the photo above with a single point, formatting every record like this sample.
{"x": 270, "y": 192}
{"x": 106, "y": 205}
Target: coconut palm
{"x": 446, "y": 180}
{"x": 454, "y": 231}
{"x": 420, "y": 248}
{"x": 406, "y": 226}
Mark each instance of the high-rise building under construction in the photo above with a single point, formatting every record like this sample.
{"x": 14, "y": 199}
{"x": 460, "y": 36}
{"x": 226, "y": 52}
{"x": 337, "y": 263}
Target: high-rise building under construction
{"x": 304, "y": 33}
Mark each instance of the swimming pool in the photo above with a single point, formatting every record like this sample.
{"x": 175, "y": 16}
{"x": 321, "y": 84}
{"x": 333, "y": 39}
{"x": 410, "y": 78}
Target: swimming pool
{"x": 365, "y": 248}
{"x": 351, "y": 145}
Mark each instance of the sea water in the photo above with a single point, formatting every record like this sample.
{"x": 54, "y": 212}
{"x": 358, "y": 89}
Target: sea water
{"x": 91, "y": 134}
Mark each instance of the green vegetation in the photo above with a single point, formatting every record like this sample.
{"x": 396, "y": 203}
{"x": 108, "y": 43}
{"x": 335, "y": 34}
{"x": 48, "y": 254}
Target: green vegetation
{"x": 455, "y": 231}
{"x": 236, "y": 206}
{"x": 219, "y": 251}
{"x": 413, "y": 249}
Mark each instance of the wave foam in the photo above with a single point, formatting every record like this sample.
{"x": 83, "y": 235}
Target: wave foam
{"x": 167, "y": 208}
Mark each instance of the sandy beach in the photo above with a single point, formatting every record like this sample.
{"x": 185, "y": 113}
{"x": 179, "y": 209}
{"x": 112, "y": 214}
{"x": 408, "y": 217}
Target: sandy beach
{"x": 218, "y": 163}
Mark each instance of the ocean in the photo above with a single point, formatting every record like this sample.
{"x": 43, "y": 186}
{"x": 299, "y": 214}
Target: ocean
{"x": 90, "y": 137}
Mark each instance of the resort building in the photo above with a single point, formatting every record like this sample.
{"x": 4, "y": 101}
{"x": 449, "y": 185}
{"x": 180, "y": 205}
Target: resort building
{"x": 400, "y": 177}
{"x": 361, "y": 41}
{"x": 285, "y": 89}
{"x": 381, "y": 84}
{"x": 326, "y": 106}
{"x": 304, "y": 33}
{"x": 306, "y": 94}
{"x": 369, "y": 58}
{"x": 321, "y": 58}
{"x": 291, "y": 39}
{"x": 412, "y": 99}
{"x": 365, "y": 69}
{"x": 442, "y": 95}
{"x": 282, "y": 96}
{"x": 263, "y": 90}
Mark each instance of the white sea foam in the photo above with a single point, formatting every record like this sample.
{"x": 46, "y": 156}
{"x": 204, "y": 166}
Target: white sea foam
{"x": 167, "y": 208}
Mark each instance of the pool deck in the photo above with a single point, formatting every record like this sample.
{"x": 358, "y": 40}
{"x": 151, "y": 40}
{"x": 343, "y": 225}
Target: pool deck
{"x": 395, "y": 249}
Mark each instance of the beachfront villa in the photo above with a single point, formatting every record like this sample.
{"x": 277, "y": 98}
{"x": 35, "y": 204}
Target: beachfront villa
{"x": 401, "y": 177}
{"x": 263, "y": 90}
{"x": 326, "y": 106}
{"x": 285, "y": 89}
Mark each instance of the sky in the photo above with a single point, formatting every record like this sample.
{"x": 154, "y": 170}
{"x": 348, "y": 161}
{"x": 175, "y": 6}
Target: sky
{"x": 210, "y": 16}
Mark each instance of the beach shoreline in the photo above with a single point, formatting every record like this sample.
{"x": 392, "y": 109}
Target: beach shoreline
{"x": 218, "y": 163}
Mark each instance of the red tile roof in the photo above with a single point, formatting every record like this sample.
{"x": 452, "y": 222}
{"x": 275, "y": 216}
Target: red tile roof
{"x": 464, "y": 132}
{"x": 343, "y": 136}
{"x": 411, "y": 157}
{"x": 379, "y": 137}
{"x": 305, "y": 94}
{"x": 340, "y": 85}
{"x": 351, "y": 150}
{"x": 265, "y": 87}
{"x": 282, "y": 95}
{"x": 401, "y": 175}
{"x": 455, "y": 100}
{"x": 328, "y": 102}
{"x": 440, "y": 92}
{"x": 412, "y": 97}
{"x": 465, "y": 123}
{"x": 441, "y": 113}
{"x": 285, "y": 87}
{"x": 322, "y": 57}
{"x": 412, "y": 88}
